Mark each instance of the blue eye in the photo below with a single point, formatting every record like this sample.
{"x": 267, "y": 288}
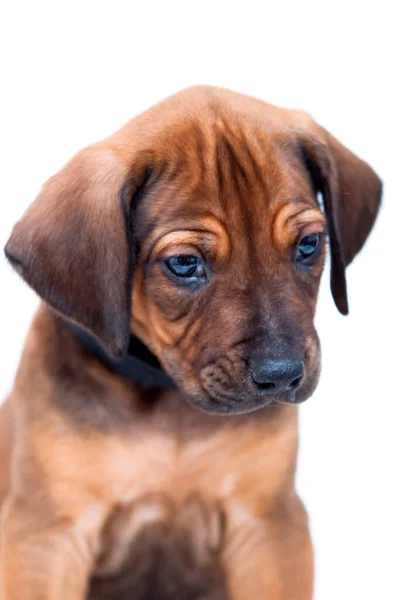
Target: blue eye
{"x": 307, "y": 247}
{"x": 185, "y": 266}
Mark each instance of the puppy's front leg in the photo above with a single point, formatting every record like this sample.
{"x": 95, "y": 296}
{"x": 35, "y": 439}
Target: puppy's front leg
{"x": 269, "y": 556}
{"x": 42, "y": 559}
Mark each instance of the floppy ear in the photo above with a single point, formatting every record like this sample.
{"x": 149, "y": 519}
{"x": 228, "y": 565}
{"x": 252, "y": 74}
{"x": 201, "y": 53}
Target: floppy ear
{"x": 72, "y": 245}
{"x": 351, "y": 192}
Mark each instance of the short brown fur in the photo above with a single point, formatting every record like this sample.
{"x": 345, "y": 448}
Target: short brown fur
{"x": 119, "y": 490}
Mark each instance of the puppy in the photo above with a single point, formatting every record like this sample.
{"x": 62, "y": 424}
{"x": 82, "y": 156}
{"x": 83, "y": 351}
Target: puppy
{"x": 155, "y": 407}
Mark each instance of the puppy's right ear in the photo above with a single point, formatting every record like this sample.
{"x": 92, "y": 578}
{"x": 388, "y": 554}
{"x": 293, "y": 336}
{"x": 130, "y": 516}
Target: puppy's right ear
{"x": 72, "y": 245}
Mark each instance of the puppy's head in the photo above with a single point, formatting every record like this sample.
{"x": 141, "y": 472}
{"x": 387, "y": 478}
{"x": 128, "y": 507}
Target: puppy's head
{"x": 201, "y": 226}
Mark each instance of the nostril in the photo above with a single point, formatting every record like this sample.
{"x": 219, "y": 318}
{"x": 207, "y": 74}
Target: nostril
{"x": 295, "y": 383}
{"x": 266, "y": 385}
{"x": 296, "y": 375}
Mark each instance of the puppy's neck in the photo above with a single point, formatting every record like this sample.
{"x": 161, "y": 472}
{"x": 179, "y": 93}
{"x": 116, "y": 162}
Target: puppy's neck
{"x": 87, "y": 392}
{"x": 139, "y": 365}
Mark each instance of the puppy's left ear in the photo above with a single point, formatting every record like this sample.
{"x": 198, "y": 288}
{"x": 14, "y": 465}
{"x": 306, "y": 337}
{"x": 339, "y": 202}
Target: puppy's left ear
{"x": 73, "y": 248}
{"x": 351, "y": 192}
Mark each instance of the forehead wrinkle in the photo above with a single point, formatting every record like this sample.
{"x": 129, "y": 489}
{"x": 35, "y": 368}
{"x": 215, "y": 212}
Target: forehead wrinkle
{"x": 305, "y": 216}
{"x": 184, "y": 158}
{"x": 257, "y": 149}
{"x": 288, "y": 220}
{"x": 239, "y": 148}
{"x": 256, "y": 211}
{"x": 235, "y": 167}
{"x": 304, "y": 208}
{"x": 209, "y": 232}
{"x": 189, "y": 145}
{"x": 239, "y": 174}
{"x": 177, "y": 238}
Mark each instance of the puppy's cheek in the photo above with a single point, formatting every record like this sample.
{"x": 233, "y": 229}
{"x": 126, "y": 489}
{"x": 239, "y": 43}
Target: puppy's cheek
{"x": 307, "y": 390}
{"x": 313, "y": 369}
{"x": 182, "y": 372}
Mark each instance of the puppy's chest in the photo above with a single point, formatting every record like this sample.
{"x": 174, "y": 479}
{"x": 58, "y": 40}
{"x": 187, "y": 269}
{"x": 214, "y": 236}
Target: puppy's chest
{"x": 245, "y": 460}
{"x": 165, "y": 480}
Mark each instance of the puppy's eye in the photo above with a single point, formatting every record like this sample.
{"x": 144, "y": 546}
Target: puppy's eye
{"x": 307, "y": 247}
{"x": 185, "y": 266}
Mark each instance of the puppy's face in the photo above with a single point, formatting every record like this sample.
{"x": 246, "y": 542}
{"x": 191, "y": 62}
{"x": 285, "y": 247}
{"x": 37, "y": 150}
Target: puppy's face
{"x": 198, "y": 228}
{"x": 231, "y": 248}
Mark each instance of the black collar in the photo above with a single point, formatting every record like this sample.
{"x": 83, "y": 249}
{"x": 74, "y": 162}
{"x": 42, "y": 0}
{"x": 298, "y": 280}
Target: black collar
{"x": 139, "y": 364}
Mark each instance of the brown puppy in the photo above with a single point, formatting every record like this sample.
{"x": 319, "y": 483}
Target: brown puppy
{"x": 197, "y": 228}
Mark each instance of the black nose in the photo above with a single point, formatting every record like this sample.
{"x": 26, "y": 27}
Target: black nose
{"x": 275, "y": 376}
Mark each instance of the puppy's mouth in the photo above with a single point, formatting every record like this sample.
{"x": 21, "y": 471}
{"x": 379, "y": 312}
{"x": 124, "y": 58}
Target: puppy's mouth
{"x": 246, "y": 395}
{"x": 242, "y": 402}
{"x": 227, "y": 386}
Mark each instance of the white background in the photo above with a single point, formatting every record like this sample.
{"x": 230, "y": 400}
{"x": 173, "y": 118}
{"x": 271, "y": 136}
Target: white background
{"x": 73, "y": 72}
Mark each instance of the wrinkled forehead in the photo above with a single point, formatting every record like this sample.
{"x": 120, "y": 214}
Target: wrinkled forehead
{"x": 228, "y": 170}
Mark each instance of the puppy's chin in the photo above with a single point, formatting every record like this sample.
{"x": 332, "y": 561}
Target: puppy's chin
{"x": 226, "y": 408}
{"x": 246, "y": 402}
{"x": 242, "y": 398}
